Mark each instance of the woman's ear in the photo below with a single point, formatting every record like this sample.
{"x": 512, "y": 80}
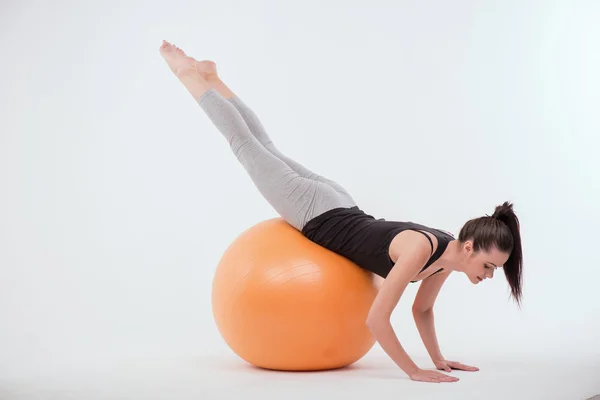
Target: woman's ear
{"x": 468, "y": 247}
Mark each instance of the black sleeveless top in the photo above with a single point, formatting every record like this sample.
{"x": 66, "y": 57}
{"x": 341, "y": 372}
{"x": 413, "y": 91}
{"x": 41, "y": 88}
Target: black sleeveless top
{"x": 365, "y": 240}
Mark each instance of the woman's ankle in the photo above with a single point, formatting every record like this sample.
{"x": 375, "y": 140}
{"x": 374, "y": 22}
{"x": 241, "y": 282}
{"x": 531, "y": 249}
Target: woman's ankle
{"x": 216, "y": 83}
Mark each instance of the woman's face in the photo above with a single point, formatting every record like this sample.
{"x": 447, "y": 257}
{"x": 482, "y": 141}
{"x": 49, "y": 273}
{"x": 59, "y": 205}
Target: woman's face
{"x": 481, "y": 265}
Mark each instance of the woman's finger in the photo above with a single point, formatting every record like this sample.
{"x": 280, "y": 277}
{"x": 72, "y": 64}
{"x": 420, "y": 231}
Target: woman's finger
{"x": 457, "y": 365}
{"x": 446, "y": 378}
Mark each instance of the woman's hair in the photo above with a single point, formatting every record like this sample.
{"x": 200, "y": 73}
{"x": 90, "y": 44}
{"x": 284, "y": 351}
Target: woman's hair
{"x": 500, "y": 230}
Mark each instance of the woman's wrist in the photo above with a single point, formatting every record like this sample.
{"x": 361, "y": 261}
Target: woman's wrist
{"x": 412, "y": 370}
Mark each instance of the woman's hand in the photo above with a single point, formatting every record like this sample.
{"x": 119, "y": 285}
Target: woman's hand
{"x": 448, "y": 366}
{"x": 424, "y": 375}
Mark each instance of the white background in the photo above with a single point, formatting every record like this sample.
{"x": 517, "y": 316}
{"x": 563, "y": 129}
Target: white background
{"x": 118, "y": 196}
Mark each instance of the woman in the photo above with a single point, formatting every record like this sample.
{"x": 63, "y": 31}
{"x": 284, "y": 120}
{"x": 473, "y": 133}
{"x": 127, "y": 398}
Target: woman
{"x": 400, "y": 252}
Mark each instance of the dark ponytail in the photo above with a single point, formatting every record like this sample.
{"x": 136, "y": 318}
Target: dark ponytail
{"x": 501, "y": 230}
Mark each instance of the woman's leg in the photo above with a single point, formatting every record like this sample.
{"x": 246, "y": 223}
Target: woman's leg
{"x": 295, "y": 198}
{"x": 259, "y": 131}
{"x": 209, "y": 72}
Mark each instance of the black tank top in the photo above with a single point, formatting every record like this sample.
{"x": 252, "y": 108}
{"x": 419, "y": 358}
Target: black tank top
{"x": 365, "y": 240}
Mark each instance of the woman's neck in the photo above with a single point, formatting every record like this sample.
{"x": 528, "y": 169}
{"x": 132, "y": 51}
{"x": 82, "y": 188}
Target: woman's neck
{"x": 451, "y": 258}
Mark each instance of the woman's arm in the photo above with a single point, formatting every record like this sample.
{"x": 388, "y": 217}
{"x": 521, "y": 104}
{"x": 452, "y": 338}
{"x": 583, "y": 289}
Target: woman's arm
{"x": 423, "y": 312}
{"x": 414, "y": 250}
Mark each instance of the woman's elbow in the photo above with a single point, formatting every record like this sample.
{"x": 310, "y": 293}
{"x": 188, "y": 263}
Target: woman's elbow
{"x": 418, "y": 309}
{"x": 375, "y": 321}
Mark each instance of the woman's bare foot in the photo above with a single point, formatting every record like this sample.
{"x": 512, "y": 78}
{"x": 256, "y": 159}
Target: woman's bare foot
{"x": 177, "y": 60}
{"x": 185, "y": 68}
{"x": 207, "y": 68}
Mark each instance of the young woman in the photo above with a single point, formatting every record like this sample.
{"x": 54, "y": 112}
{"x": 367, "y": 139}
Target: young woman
{"x": 399, "y": 252}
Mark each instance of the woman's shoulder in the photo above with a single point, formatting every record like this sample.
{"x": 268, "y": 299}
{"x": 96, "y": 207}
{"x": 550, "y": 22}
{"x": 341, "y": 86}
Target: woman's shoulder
{"x": 413, "y": 241}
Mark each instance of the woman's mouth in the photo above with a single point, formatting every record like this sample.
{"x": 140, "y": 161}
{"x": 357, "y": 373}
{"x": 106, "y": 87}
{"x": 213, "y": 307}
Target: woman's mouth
{"x": 479, "y": 279}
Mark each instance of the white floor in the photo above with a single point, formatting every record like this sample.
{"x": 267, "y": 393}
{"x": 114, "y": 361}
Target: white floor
{"x": 374, "y": 377}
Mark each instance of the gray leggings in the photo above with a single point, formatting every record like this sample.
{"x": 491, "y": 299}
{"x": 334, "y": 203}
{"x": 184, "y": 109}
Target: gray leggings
{"x": 295, "y": 192}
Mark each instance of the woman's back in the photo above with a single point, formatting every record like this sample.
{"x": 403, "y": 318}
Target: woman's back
{"x": 365, "y": 240}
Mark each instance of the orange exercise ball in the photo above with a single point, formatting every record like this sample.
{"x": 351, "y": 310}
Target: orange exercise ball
{"x": 282, "y": 302}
